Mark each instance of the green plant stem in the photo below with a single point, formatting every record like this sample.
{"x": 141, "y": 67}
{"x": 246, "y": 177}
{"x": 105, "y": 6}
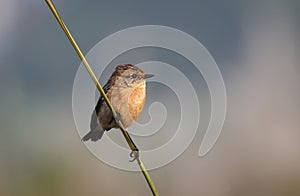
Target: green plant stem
{"x": 95, "y": 80}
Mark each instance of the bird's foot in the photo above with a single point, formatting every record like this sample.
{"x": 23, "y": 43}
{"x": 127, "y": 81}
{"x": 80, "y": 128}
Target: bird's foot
{"x": 134, "y": 154}
{"x": 118, "y": 117}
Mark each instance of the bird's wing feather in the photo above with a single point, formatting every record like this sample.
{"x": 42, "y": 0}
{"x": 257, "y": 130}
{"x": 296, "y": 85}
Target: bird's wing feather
{"x": 101, "y": 99}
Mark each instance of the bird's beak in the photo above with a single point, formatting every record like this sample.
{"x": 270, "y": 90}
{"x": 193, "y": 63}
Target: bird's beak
{"x": 148, "y": 76}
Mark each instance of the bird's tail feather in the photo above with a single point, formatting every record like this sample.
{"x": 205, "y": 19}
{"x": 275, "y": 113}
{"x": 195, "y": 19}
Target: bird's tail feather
{"x": 94, "y": 135}
{"x": 96, "y": 129}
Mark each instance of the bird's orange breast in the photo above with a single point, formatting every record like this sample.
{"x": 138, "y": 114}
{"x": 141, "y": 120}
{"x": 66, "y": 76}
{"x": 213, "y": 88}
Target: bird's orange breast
{"x": 136, "y": 102}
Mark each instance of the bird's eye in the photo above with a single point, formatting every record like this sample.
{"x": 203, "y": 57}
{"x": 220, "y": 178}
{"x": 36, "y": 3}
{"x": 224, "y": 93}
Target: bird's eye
{"x": 133, "y": 75}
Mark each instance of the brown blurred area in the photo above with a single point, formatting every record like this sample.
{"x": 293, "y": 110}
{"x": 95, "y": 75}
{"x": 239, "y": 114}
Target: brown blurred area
{"x": 256, "y": 46}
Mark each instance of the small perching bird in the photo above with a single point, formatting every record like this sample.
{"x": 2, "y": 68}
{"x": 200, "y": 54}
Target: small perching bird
{"x": 126, "y": 90}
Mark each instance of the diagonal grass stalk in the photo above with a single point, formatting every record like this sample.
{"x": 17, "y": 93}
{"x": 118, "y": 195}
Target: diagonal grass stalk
{"x": 95, "y": 80}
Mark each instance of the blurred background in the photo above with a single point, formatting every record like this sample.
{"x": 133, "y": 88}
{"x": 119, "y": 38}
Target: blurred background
{"x": 256, "y": 45}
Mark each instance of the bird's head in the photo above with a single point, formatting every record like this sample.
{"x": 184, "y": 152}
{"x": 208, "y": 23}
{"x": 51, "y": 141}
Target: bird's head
{"x": 128, "y": 75}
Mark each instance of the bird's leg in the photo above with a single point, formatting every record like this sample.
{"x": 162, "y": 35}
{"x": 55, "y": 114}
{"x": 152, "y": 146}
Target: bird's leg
{"x": 118, "y": 118}
{"x": 134, "y": 154}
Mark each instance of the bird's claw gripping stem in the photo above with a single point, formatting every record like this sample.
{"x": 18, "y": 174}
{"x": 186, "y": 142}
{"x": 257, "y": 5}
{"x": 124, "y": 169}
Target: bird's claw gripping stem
{"x": 134, "y": 155}
{"x": 118, "y": 117}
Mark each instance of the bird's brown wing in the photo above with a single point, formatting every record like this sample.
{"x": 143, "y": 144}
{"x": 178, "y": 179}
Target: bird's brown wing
{"x": 101, "y": 99}
{"x": 96, "y": 130}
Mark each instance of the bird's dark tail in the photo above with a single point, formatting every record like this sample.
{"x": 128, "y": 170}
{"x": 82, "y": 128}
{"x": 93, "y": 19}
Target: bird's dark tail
{"x": 94, "y": 135}
{"x": 96, "y": 129}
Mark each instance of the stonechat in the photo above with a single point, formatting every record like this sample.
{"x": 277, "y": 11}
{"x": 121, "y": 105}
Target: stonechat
{"x": 126, "y": 90}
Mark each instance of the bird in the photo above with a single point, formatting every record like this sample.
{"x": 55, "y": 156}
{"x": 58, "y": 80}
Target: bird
{"x": 126, "y": 90}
